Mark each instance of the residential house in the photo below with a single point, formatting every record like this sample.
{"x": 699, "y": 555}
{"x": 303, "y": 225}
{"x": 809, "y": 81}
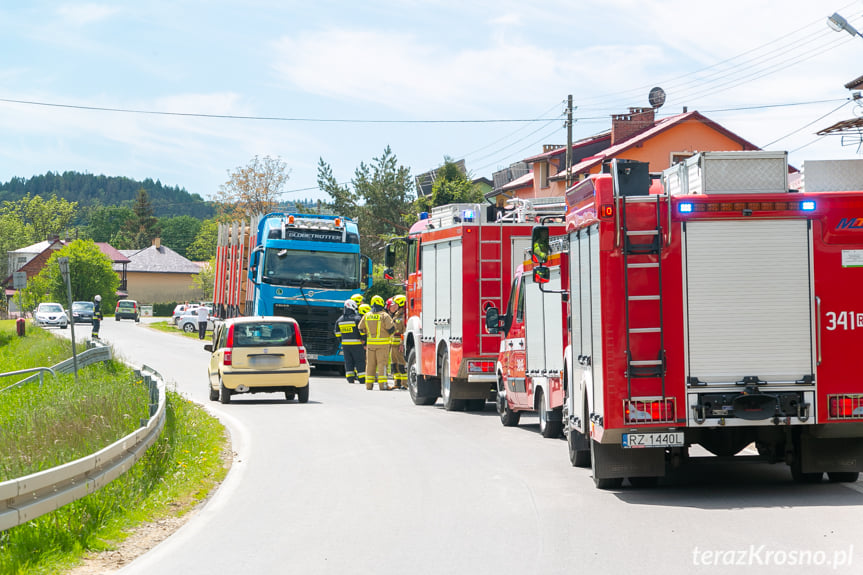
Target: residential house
{"x": 158, "y": 274}
{"x": 637, "y": 135}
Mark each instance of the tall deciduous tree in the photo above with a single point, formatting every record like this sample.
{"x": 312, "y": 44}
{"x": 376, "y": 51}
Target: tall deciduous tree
{"x": 44, "y": 218}
{"x": 253, "y": 189}
{"x": 106, "y": 222}
{"x": 452, "y": 186}
{"x": 203, "y": 247}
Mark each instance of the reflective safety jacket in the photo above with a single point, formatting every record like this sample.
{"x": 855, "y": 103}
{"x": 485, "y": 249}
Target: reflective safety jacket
{"x": 377, "y": 326}
{"x": 399, "y": 324}
{"x": 347, "y": 329}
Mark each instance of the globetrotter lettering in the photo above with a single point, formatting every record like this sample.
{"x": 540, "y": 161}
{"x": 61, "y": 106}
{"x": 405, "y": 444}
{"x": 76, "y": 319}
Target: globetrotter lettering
{"x": 314, "y": 235}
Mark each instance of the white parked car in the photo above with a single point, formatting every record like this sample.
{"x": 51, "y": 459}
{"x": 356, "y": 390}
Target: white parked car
{"x": 188, "y": 320}
{"x": 50, "y": 315}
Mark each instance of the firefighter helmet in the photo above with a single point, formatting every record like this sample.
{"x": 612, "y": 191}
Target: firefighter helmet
{"x": 400, "y": 300}
{"x": 350, "y": 304}
{"x": 389, "y": 302}
{"x": 377, "y": 300}
{"x": 98, "y": 297}
{"x": 365, "y": 308}
{"x": 357, "y": 298}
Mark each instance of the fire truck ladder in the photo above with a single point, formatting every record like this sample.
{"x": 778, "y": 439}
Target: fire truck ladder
{"x": 490, "y": 239}
{"x": 640, "y": 257}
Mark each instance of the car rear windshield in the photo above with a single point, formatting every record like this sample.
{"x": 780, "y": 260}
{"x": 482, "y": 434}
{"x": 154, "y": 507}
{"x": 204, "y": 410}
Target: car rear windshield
{"x": 82, "y": 305}
{"x": 262, "y": 334}
{"x": 126, "y": 304}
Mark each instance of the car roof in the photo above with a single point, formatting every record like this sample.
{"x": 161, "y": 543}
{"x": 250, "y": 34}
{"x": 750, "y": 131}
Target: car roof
{"x": 258, "y": 319}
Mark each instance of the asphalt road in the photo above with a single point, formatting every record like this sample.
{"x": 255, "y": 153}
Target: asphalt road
{"x": 366, "y": 482}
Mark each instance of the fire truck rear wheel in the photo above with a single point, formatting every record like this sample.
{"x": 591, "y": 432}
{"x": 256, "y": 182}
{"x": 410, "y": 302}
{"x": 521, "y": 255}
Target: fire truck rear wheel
{"x": 417, "y": 384}
{"x": 548, "y": 429}
{"x": 449, "y": 403}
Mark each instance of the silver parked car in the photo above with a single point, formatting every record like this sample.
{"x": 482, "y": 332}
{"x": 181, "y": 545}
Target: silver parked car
{"x": 188, "y": 320}
{"x": 50, "y": 315}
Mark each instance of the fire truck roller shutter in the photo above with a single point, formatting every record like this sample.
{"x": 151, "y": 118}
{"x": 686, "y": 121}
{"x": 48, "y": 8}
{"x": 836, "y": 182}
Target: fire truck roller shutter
{"x": 543, "y": 327}
{"x": 748, "y": 300}
{"x": 430, "y": 274}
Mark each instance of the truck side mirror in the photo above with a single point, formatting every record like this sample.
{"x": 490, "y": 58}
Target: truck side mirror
{"x": 539, "y": 245}
{"x": 492, "y": 320}
{"x": 390, "y": 256}
{"x": 541, "y": 275}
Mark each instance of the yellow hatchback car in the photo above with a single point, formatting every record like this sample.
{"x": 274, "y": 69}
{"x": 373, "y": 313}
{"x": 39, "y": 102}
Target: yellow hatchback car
{"x": 255, "y": 355}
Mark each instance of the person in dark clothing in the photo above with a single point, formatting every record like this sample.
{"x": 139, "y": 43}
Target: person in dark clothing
{"x": 97, "y": 316}
{"x": 353, "y": 343}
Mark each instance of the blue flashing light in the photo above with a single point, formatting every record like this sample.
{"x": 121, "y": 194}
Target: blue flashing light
{"x": 467, "y": 215}
{"x": 424, "y": 215}
{"x": 807, "y": 206}
{"x": 685, "y": 208}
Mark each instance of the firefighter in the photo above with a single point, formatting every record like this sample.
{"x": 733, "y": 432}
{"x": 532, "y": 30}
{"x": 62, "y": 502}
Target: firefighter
{"x": 353, "y": 344}
{"x": 358, "y": 298}
{"x": 364, "y": 309}
{"x": 396, "y": 308}
{"x": 377, "y": 326}
{"x": 97, "y": 316}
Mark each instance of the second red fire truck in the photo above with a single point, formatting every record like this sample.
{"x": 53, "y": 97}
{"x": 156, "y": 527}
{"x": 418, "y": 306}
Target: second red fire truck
{"x": 720, "y": 311}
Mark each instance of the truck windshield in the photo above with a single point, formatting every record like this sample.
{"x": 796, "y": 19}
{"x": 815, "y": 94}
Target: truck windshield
{"x": 302, "y": 268}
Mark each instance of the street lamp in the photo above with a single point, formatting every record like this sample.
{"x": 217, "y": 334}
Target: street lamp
{"x": 838, "y": 23}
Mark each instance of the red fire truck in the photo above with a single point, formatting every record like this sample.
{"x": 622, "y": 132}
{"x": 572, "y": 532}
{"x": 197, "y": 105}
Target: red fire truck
{"x": 530, "y": 361}
{"x": 720, "y": 311}
{"x": 460, "y": 259}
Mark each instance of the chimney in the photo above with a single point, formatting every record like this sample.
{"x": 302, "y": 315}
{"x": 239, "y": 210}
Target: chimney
{"x": 157, "y": 242}
{"x": 625, "y": 126}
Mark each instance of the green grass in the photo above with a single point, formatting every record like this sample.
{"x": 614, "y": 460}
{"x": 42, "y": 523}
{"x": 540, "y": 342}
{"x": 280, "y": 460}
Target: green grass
{"x": 43, "y": 426}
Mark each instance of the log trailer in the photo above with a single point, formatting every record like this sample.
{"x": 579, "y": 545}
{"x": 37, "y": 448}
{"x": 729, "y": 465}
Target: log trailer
{"x": 719, "y": 310}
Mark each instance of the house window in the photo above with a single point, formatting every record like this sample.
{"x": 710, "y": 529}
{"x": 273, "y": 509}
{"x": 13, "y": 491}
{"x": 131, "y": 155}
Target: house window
{"x": 677, "y": 157}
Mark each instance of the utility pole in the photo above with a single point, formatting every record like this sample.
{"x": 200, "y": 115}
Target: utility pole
{"x": 64, "y": 271}
{"x": 568, "y": 141}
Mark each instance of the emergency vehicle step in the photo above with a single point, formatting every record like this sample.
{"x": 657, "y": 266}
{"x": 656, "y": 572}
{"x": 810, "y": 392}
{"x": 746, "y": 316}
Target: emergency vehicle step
{"x": 642, "y": 232}
{"x": 645, "y": 330}
{"x": 643, "y": 266}
{"x": 643, "y": 298}
{"x": 641, "y": 363}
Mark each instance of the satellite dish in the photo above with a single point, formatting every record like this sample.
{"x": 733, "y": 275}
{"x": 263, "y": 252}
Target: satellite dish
{"x": 656, "y": 97}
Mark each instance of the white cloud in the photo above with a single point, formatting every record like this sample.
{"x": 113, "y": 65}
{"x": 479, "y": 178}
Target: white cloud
{"x": 87, "y": 13}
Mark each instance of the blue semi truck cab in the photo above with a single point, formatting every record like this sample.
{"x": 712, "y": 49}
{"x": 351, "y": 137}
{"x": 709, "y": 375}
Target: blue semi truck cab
{"x": 305, "y": 266}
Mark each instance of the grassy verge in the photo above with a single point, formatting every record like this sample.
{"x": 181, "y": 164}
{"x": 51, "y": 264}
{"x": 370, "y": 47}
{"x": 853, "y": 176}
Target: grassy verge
{"x": 41, "y": 427}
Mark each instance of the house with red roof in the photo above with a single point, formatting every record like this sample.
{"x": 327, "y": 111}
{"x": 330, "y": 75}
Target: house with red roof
{"x": 636, "y": 135}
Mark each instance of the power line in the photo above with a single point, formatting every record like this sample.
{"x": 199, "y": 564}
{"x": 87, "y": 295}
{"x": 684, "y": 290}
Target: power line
{"x": 269, "y": 118}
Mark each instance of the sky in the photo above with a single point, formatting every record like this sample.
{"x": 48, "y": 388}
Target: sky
{"x": 187, "y": 91}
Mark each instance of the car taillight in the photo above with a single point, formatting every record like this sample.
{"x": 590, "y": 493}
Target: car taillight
{"x": 230, "y": 342}
{"x": 227, "y": 358}
{"x": 476, "y": 366}
{"x": 302, "y": 352}
{"x": 299, "y": 336}
{"x": 648, "y": 410}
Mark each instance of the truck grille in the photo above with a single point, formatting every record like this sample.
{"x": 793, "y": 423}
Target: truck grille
{"x": 316, "y": 326}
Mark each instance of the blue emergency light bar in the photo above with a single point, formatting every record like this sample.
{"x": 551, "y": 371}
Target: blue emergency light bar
{"x": 807, "y": 206}
{"x": 685, "y": 208}
{"x": 467, "y": 215}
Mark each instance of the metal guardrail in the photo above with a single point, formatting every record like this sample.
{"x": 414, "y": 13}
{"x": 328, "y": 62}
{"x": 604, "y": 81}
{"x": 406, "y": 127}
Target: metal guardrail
{"x": 95, "y": 354}
{"x": 29, "y": 497}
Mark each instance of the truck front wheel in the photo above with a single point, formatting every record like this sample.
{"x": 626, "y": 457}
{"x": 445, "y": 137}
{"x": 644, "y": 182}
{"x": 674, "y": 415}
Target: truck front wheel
{"x": 508, "y": 417}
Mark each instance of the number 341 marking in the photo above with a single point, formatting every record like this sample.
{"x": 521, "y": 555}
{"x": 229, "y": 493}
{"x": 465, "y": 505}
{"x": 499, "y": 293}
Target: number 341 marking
{"x": 844, "y": 320}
